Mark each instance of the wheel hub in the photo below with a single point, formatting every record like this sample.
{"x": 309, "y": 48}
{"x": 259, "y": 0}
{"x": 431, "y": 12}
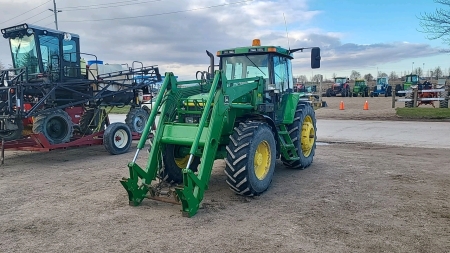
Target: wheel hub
{"x": 120, "y": 138}
{"x": 262, "y": 160}
{"x": 307, "y": 136}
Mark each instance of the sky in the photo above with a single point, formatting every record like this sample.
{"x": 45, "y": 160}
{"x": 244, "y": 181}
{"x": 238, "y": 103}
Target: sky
{"x": 366, "y": 36}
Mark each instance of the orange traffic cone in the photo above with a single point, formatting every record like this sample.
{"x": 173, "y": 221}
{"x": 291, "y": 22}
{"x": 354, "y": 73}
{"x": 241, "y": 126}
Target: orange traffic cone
{"x": 341, "y": 105}
{"x": 366, "y": 105}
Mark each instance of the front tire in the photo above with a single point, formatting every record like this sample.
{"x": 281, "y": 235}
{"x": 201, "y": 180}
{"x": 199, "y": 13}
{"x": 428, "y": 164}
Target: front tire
{"x": 251, "y": 156}
{"x": 303, "y": 134}
{"x": 174, "y": 162}
{"x": 117, "y": 138}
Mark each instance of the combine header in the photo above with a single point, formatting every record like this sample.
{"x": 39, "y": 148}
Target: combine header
{"x": 245, "y": 113}
{"x": 51, "y": 99}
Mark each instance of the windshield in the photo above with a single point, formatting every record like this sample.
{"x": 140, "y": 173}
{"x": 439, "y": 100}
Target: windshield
{"x": 340, "y": 80}
{"x": 381, "y": 81}
{"x": 412, "y": 79}
{"x": 24, "y": 53}
{"x": 237, "y": 67}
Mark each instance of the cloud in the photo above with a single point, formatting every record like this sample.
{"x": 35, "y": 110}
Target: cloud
{"x": 175, "y": 34}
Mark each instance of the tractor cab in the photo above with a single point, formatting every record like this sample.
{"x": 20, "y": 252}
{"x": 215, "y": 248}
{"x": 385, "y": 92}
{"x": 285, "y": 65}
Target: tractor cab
{"x": 44, "y": 53}
{"x": 270, "y": 62}
{"x": 340, "y": 81}
{"x": 410, "y": 80}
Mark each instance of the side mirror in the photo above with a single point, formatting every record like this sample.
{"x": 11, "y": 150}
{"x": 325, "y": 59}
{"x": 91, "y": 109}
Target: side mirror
{"x": 315, "y": 58}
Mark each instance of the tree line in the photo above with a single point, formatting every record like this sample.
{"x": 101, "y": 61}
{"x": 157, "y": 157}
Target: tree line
{"x": 435, "y": 73}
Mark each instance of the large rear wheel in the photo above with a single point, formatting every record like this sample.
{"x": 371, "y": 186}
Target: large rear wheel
{"x": 251, "y": 156}
{"x": 136, "y": 119}
{"x": 14, "y": 133}
{"x": 443, "y": 103}
{"x": 92, "y": 121}
{"x": 175, "y": 159}
{"x": 409, "y": 104}
{"x": 57, "y": 126}
{"x": 303, "y": 134}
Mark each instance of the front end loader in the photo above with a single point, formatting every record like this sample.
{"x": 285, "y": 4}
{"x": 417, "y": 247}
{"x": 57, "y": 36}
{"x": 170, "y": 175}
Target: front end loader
{"x": 246, "y": 113}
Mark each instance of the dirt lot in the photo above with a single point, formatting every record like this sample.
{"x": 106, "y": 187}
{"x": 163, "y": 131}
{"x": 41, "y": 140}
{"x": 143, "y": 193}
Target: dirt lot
{"x": 380, "y": 108}
{"x": 353, "y": 199}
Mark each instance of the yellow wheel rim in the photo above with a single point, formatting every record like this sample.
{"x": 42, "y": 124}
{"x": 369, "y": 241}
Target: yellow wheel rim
{"x": 308, "y": 136}
{"x": 262, "y": 160}
{"x": 182, "y": 162}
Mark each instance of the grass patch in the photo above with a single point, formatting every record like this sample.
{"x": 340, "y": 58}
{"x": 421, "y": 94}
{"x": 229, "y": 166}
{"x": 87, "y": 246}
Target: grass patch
{"x": 423, "y": 113}
{"x": 119, "y": 110}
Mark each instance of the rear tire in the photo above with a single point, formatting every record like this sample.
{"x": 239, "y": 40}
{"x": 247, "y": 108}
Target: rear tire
{"x": 443, "y": 103}
{"x": 11, "y": 135}
{"x": 117, "y": 138}
{"x": 136, "y": 119}
{"x": 303, "y": 134}
{"x": 173, "y": 164}
{"x": 88, "y": 124}
{"x": 251, "y": 156}
{"x": 409, "y": 104}
{"x": 57, "y": 127}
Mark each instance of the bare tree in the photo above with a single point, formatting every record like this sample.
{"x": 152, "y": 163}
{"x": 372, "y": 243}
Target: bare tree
{"x": 393, "y": 75}
{"x": 302, "y": 79}
{"x": 368, "y": 77}
{"x": 437, "y": 24}
{"x": 438, "y": 72}
{"x": 317, "y": 78}
{"x": 418, "y": 71}
{"x": 382, "y": 74}
{"x": 355, "y": 75}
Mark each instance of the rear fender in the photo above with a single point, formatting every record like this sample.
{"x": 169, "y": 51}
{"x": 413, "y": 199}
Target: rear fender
{"x": 288, "y": 107}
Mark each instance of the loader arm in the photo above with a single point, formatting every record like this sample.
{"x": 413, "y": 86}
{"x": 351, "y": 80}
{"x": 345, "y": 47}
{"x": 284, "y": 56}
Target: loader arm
{"x": 204, "y": 136}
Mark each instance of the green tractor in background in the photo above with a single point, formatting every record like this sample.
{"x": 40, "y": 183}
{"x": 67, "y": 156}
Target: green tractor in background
{"x": 246, "y": 113}
{"x": 360, "y": 88}
{"x": 410, "y": 80}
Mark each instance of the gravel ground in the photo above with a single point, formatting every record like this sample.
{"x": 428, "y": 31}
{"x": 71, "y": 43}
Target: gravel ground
{"x": 354, "y": 198}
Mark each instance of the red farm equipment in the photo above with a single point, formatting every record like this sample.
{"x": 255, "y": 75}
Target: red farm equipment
{"x": 51, "y": 99}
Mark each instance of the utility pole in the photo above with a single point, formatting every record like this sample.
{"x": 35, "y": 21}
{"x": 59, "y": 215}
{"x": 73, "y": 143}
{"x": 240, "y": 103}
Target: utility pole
{"x": 54, "y": 10}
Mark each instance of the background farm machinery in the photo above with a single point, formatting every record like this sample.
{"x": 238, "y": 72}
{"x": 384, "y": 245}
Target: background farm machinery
{"x": 425, "y": 93}
{"x": 341, "y": 86}
{"x": 360, "y": 88}
{"x": 51, "y": 99}
{"x": 382, "y": 87}
{"x": 245, "y": 113}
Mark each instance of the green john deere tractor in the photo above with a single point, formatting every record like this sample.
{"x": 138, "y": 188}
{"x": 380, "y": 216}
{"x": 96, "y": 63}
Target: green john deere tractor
{"x": 360, "y": 88}
{"x": 246, "y": 113}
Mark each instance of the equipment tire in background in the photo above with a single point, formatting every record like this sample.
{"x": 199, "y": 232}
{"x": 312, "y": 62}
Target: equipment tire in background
{"x": 409, "y": 104}
{"x": 86, "y": 121}
{"x": 13, "y": 134}
{"x": 174, "y": 163}
{"x": 251, "y": 156}
{"x": 443, "y": 103}
{"x": 303, "y": 134}
{"x": 136, "y": 119}
{"x": 117, "y": 138}
{"x": 57, "y": 127}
